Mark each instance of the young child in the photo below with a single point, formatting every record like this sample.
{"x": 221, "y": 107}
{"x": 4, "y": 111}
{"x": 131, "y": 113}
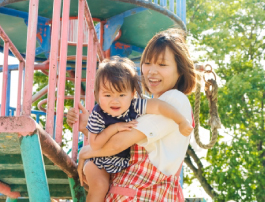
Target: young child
{"x": 116, "y": 85}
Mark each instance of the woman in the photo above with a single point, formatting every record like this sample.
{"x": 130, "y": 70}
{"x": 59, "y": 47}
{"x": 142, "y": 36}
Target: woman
{"x": 157, "y": 147}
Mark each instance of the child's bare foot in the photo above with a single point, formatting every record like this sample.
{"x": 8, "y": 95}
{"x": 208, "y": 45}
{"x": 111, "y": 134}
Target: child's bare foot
{"x": 185, "y": 128}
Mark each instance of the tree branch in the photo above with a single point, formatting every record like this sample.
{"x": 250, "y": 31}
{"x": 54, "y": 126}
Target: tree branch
{"x": 198, "y": 173}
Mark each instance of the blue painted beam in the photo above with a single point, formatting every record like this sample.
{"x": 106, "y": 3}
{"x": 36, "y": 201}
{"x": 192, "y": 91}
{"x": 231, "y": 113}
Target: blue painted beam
{"x": 113, "y": 25}
{"x": 183, "y": 11}
{"x": 21, "y": 14}
{"x": 123, "y": 50}
{"x": 10, "y": 68}
{"x": 43, "y": 29}
{"x": 34, "y": 169}
{"x": 8, "y": 92}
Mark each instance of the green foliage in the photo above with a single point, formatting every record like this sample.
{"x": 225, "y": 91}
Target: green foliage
{"x": 40, "y": 81}
{"x": 231, "y": 33}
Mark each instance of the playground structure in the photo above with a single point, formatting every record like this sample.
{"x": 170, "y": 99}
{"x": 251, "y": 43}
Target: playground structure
{"x": 62, "y": 38}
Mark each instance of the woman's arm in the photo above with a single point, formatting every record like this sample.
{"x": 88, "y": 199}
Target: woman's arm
{"x": 96, "y": 141}
{"x": 116, "y": 144}
{"x": 159, "y": 107}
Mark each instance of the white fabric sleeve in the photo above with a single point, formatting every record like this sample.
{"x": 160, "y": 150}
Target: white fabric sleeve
{"x": 165, "y": 145}
{"x": 157, "y": 126}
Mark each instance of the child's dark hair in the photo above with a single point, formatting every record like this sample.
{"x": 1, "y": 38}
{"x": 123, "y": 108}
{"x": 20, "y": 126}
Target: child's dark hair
{"x": 120, "y": 73}
{"x": 174, "y": 39}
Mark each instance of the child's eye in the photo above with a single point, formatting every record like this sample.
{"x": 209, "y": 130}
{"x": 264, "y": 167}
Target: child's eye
{"x": 107, "y": 95}
{"x": 147, "y": 63}
{"x": 161, "y": 64}
{"x": 122, "y": 95}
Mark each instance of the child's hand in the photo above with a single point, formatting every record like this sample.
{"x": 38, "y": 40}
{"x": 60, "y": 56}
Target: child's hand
{"x": 72, "y": 117}
{"x": 126, "y": 126}
{"x": 185, "y": 128}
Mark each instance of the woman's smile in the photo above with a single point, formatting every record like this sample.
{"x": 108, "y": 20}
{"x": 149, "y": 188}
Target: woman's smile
{"x": 154, "y": 81}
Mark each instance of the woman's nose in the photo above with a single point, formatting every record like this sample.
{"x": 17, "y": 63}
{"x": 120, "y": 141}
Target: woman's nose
{"x": 153, "y": 69}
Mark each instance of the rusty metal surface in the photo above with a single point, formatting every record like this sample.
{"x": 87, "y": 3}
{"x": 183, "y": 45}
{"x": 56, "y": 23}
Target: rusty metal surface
{"x": 23, "y": 125}
{"x": 56, "y": 154}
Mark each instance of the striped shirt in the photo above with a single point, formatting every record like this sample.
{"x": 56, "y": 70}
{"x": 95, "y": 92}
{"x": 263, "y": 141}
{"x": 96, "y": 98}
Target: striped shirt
{"x": 99, "y": 120}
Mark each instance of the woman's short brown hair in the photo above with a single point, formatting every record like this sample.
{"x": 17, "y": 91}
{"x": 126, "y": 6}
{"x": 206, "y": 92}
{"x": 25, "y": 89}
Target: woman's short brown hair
{"x": 120, "y": 73}
{"x": 175, "y": 40}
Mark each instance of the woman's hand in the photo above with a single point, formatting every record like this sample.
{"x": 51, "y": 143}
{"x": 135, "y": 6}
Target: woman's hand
{"x": 72, "y": 117}
{"x": 126, "y": 126}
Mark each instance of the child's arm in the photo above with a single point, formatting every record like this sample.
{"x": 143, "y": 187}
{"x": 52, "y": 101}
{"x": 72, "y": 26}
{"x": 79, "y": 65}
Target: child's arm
{"x": 97, "y": 141}
{"x": 156, "y": 106}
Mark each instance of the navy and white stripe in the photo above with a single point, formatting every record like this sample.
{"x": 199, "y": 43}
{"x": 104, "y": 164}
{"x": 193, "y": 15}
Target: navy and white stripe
{"x": 112, "y": 164}
{"x": 99, "y": 120}
{"x": 95, "y": 123}
{"x": 140, "y": 106}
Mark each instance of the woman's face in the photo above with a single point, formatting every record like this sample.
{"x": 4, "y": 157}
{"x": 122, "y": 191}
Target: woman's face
{"x": 162, "y": 75}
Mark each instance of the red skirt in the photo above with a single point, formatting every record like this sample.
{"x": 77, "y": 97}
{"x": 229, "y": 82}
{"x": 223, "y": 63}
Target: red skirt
{"x": 142, "y": 181}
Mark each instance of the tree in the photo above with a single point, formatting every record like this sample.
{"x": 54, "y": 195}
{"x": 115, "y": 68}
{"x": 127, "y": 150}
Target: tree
{"x": 40, "y": 81}
{"x": 232, "y": 35}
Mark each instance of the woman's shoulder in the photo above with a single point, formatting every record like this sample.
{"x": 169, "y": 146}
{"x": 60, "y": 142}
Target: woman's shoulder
{"x": 174, "y": 94}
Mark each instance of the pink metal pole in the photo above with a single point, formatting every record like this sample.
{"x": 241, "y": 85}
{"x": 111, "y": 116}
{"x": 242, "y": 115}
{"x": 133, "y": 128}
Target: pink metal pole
{"x": 62, "y": 72}
{"x": 53, "y": 66}
{"x": 39, "y": 94}
{"x": 5, "y": 75}
{"x": 78, "y": 71}
{"x": 89, "y": 74}
{"x": 30, "y": 56}
{"x": 20, "y": 71}
{"x": 90, "y": 24}
{"x": 11, "y": 45}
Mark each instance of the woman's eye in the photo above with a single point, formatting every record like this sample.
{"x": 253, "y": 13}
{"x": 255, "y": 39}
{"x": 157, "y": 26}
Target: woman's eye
{"x": 147, "y": 63}
{"x": 107, "y": 95}
{"x": 162, "y": 64}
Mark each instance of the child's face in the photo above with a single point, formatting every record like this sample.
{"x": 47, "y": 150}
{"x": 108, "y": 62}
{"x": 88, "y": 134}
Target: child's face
{"x": 113, "y": 102}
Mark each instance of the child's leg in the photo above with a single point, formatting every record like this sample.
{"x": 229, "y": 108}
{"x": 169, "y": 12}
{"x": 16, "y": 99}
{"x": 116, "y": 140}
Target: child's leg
{"x": 98, "y": 182}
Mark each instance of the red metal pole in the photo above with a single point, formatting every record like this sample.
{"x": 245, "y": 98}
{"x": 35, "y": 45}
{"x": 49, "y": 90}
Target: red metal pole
{"x": 5, "y": 75}
{"x": 78, "y": 73}
{"x": 30, "y": 56}
{"x": 11, "y": 45}
{"x": 62, "y": 72}
{"x": 90, "y": 24}
{"x": 101, "y": 34}
{"x": 89, "y": 75}
{"x": 53, "y": 66}
{"x": 20, "y": 71}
